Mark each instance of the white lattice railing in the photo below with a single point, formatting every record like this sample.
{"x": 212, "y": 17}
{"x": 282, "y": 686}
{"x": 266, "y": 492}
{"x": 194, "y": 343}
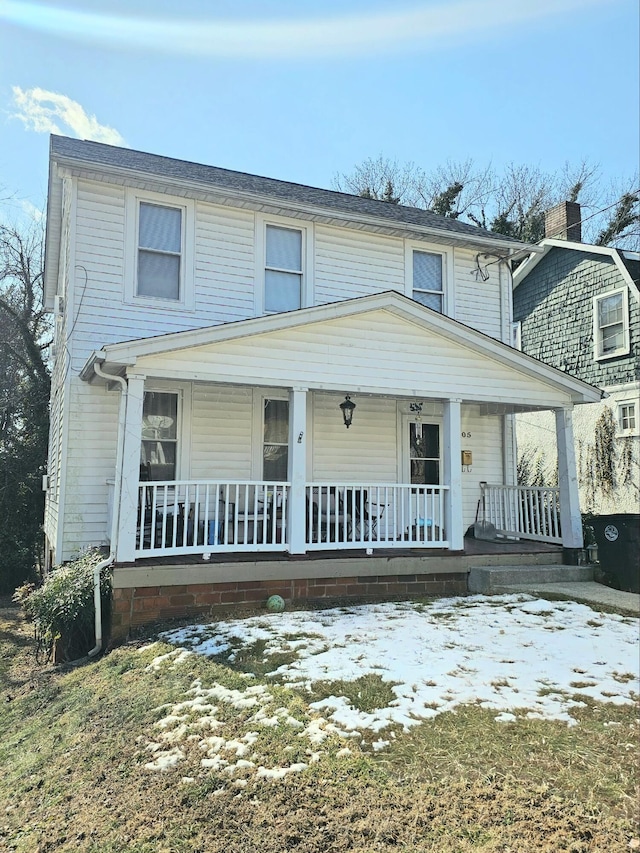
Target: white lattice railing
{"x": 526, "y": 512}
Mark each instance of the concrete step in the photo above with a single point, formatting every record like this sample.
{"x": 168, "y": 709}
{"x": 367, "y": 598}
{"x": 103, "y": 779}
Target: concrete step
{"x": 494, "y": 579}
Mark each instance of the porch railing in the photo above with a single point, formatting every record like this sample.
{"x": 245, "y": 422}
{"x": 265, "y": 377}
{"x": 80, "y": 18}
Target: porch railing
{"x": 525, "y": 512}
{"x": 353, "y": 515}
{"x": 205, "y": 516}
{"x": 196, "y": 517}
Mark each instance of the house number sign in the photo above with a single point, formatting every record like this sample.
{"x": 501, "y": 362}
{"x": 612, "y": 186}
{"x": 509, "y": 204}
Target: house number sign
{"x": 467, "y": 456}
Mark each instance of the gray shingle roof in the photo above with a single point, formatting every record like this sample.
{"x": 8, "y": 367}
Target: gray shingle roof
{"x": 282, "y": 191}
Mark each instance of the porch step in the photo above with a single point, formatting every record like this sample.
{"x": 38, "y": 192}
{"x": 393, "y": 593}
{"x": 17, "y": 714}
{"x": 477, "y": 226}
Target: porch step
{"x": 496, "y": 579}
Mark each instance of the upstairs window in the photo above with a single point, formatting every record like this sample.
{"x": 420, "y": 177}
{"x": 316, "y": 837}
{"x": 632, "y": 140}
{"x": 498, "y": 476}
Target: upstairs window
{"x": 428, "y": 280}
{"x": 283, "y": 269}
{"x": 159, "y": 251}
{"x": 611, "y": 324}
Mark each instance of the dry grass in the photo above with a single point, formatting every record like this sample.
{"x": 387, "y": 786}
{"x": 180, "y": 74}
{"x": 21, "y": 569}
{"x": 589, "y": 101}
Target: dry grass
{"x": 74, "y": 775}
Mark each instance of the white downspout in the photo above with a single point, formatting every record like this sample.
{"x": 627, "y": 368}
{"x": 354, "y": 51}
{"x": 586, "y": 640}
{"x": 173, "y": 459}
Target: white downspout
{"x": 116, "y": 513}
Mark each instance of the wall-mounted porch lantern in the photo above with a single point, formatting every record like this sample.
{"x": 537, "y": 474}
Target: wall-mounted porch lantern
{"x": 347, "y": 411}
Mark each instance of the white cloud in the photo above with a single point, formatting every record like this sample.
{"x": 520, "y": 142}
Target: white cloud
{"x": 420, "y": 26}
{"x": 51, "y": 112}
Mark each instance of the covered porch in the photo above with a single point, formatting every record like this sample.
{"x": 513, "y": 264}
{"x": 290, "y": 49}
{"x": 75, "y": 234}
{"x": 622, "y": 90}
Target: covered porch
{"x": 428, "y": 449}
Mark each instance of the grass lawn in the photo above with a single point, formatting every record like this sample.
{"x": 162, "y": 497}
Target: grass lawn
{"x": 133, "y": 752}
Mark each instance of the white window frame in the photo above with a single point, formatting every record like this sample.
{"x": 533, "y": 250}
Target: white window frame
{"x": 597, "y": 337}
{"x": 183, "y": 425}
{"x": 629, "y": 430}
{"x": 259, "y": 397}
{"x": 405, "y": 460}
{"x": 516, "y": 334}
{"x": 448, "y": 288}
{"x": 186, "y": 300}
{"x": 306, "y": 285}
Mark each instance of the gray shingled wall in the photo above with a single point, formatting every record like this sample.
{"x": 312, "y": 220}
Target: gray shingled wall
{"x": 554, "y": 305}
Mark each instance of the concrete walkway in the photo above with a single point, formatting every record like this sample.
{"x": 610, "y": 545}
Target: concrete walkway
{"x": 586, "y": 592}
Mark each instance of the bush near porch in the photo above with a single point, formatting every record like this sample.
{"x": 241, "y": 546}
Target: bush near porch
{"x": 62, "y": 608}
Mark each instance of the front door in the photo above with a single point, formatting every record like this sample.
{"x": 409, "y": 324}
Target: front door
{"x": 421, "y": 457}
{"x": 422, "y": 467}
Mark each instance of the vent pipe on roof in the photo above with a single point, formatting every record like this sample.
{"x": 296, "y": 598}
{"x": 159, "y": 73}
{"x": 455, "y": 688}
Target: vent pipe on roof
{"x": 562, "y": 222}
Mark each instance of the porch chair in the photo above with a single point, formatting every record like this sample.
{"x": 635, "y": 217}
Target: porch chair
{"x": 334, "y": 518}
{"x": 358, "y": 508}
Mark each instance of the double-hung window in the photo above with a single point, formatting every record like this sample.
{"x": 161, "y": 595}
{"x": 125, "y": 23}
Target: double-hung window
{"x": 611, "y": 324}
{"x": 283, "y": 269}
{"x": 159, "y": 256}
{"x": 159, "y": 251}
{"x": 428, "y": 279}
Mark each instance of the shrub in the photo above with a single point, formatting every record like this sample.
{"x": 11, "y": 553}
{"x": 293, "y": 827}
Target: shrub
{"x": 62, "y": 609}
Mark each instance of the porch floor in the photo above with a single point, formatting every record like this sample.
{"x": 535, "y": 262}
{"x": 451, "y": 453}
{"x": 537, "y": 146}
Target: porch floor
{"x": 472, "y": 548}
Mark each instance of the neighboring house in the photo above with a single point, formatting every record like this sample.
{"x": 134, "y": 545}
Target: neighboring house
{"x": 214, "y": 330}
{"x": 577, "y": 308}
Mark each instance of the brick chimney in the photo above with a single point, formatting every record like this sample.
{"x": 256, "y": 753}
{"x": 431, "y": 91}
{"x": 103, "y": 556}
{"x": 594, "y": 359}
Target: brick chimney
{"x": 562, "y": 222}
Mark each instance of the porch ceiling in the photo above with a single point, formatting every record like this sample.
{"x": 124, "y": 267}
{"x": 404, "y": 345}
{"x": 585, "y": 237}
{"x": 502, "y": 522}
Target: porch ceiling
{"x": 384, "y": 344}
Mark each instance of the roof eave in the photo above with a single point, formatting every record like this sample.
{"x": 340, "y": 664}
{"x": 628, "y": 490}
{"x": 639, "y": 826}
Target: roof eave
{"x": 511, "y": 249}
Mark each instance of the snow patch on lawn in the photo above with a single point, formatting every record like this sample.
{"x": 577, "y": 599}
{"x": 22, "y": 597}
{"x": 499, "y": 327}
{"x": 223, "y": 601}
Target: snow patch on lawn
{"x": 521, "y": 657}
{"x": 513, "y": 654}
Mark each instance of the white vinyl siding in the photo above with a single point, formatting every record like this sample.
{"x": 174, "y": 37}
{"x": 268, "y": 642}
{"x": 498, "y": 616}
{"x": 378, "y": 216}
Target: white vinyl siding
{"x": 353, "y": 263}
{"x": 376, "y": 353}
{"x": 90, "y": 462}
{"x": 221, "y": 431}
{"x": 479, "y": 303}
{"x": 484, "y": 439}
{"x": 344, "y": 264}
{"x": 368, "y": 450}
{"x": 225, "y": 264}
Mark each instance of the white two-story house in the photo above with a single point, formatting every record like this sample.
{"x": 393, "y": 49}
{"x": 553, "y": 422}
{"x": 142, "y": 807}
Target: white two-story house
{"x": 246, "y": 367}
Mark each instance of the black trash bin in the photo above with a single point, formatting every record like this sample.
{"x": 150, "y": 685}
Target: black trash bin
{"x": 618, "y": 540}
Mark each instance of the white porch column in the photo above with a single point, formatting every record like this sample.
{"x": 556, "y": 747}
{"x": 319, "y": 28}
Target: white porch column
{"x": 570, "y": 518}
{"x": 452, "y": 473}
{"x": 128, "y": 498}
{"x": 296, "y": 514}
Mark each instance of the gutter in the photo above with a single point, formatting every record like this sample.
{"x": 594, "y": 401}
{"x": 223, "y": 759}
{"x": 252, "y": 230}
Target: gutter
{"x": 116, "y": 514}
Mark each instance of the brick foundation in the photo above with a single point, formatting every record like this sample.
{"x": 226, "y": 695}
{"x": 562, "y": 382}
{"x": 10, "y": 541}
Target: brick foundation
{"x": 137, "y": 606}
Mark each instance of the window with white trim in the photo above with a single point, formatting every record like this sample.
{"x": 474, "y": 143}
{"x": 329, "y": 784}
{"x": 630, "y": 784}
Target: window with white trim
{"x": 611, "y": 324}
{"x": 428, "y": 280}
{"x": 275, "y": 441}
{"x": 159, "y": 448}
{"x": 283, "y": 275}
{"x": 159, "y": 251}
{"x": 627, "y": 417}
{"x": 159, "y": 258}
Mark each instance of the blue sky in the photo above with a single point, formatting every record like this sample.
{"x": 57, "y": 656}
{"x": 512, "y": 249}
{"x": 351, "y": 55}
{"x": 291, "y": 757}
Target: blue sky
{"x": 302, "y": 91}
